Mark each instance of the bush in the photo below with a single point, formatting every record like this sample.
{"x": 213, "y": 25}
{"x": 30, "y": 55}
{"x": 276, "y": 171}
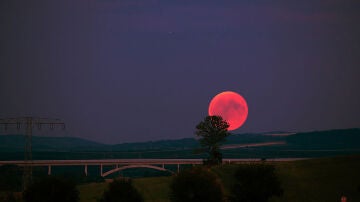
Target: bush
{"x": 7, "y": 197}
{"x": 121, "y": 190}
{"x": 10, "y": 198}
{"x": 256, "y": 183}
{"x": 51, "y": 189}
{"x": 10, "y": 178}
{"x": 196, "y": 185}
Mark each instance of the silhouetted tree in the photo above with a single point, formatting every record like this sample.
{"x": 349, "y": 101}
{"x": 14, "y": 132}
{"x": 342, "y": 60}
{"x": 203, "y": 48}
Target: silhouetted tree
{"x": 212, "y": 132}
{"x": 256, "y": 183}
{"x": 9, "y": 197}
{"x": 196, "y": 185}
{"x": 10, "y": 178}
{"x": 51, "y": 189}
{"x": 121, "y": 190}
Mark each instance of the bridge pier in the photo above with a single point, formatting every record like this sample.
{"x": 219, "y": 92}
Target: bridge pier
{"x": 86, "y": 170}
{"x": 101, "y": 170}
{"x": 178, "y": 168}
{"x": 49, "y": 169}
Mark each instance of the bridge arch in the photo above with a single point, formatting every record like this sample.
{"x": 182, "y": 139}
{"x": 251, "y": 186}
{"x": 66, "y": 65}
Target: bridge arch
{"x": 135, "y": 166}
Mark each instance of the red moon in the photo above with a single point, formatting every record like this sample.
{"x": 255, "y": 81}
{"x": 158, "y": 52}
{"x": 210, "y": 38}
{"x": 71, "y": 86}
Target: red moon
{"x": 231, "y": 106}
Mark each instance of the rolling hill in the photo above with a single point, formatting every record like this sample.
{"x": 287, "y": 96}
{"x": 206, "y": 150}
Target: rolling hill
{"x": 263, "y": 145}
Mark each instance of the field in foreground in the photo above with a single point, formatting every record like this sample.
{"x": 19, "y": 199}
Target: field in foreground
{"x": 312, "y": 180}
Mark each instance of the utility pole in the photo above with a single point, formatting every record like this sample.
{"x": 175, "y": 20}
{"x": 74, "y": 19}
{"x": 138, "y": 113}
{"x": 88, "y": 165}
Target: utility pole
{"x": 29, "y": 123}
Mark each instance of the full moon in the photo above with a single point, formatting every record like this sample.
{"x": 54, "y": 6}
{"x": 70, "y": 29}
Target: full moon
{"x": 231, "y": 106}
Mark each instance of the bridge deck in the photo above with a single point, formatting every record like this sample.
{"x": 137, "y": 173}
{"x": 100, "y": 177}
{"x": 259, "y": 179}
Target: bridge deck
{"x": 131, "y": 161}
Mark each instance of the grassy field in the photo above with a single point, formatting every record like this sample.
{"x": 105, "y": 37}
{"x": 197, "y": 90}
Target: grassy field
{"x": 316, "y": 180}
{"x": 320, "y": 180}
{"x": 153, "y": 189}
{"x": 91, "y": 192}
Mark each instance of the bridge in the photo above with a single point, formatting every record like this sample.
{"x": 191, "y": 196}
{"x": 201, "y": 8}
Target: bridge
{"x": 122, "y": 164}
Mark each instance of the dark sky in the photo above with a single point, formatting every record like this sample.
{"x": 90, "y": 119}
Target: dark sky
{"x": 136, "y": 70}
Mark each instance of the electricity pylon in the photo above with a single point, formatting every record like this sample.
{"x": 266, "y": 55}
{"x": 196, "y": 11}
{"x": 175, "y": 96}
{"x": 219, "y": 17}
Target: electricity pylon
{"x": 29, "y": 123}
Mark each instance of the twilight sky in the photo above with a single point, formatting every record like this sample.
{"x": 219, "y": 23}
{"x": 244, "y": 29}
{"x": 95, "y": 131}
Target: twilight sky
{"x": 136, "y": 70}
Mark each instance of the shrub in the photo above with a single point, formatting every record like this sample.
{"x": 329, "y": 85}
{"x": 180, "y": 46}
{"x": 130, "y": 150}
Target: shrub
{"x": 256, "y": 183}
{"x": 9, "y": 197}
{"x": 10, "y": 178}
{"x": 51, "y": 189}
{"x": 196, "y": 185}
{"x": 121, "y": 190}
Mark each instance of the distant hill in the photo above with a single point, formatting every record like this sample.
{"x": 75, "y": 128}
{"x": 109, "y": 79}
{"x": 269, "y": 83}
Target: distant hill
{"x": 16, "y": 143}
{"x": 186, "y": 143}
{"x": 42, "y": 143}
{"x": 331, "y": 139}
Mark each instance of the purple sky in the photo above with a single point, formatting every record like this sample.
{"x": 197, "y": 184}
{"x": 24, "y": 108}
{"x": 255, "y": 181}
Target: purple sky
{"x": 136, "y": 70}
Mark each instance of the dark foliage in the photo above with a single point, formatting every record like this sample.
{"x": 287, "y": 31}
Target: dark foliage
{"x": 212, "y": 132}
{"x": 196, "y": 185}
{"x": 256, "y": 183}
{"x": 121, "y": 190}
{"x": 8, "y": 197}
{"x": 51, "y": 189}
{"x": 10, "y": 178}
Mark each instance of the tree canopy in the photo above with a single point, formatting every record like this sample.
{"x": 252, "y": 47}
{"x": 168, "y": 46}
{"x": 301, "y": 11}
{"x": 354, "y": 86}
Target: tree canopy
{"x": 121, "y": 190}
{"x": 196, "y": 185}
{"x": 256, "y": 182}
{"x": 51, "y": 189}
{"x": 10, "y": 178}
{"x": 212, "y": 131}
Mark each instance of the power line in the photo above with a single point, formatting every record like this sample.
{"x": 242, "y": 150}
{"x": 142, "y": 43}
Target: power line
{"x": 29, "y": 123}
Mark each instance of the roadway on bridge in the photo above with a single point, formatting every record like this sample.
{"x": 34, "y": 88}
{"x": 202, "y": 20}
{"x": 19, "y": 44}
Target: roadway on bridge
{"x": 134, "y": 161}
